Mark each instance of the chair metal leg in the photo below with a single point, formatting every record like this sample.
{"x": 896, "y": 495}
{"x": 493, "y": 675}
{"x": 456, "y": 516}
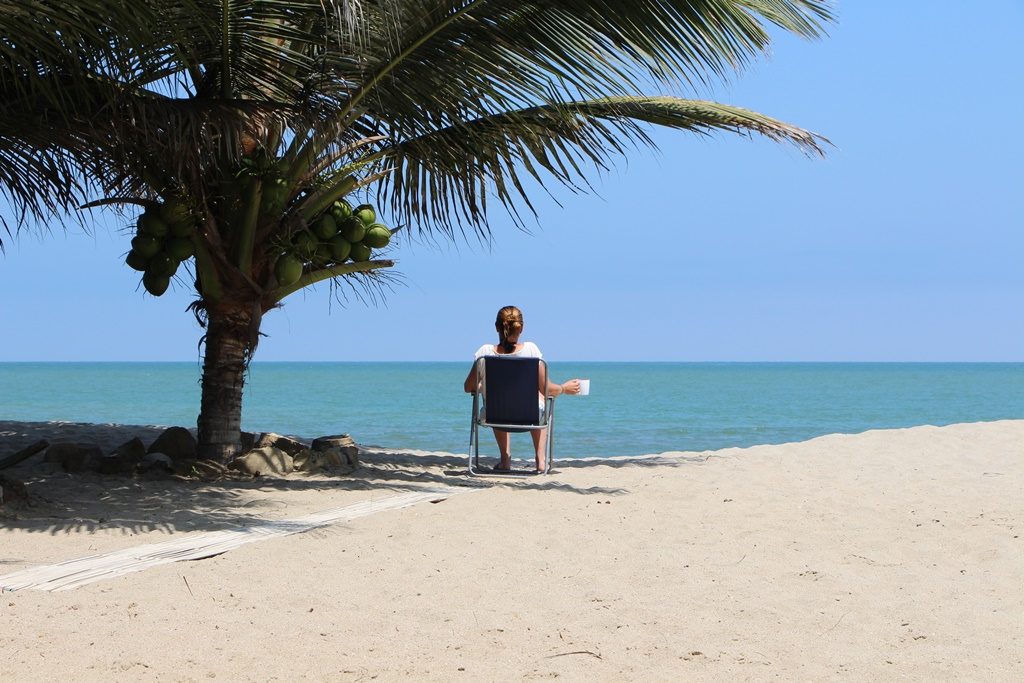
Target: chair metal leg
{"x": 474, "y": 438}
{"x": 550, "y": 445}
{"x": 474, "y": 456}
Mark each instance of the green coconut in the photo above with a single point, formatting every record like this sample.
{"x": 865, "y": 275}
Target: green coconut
{"x": 325, "y": 228}
{"x": 341, "y": 210}
{"x": 180, "y": 248}
{"x": 162, "y": 264}
{"x": 305, "y": 243}
{"x": 146, "y": 245}
{"x": 366, "y": 213}
{"x": 175, "y": 211}
{"x": 275, "y": 193}
{"x": 377, "y": 236}
{"x": 136, "y": 261}
{"x": 340, "y": 248}
{"x": 155, "y": 284}
{"x": 360, "y": 252}
{"x": 183, "y": 228}
{"x": 149, "y": 223}
{"x": 322, "y": 254}
{"x": 352, "y": 229}
{"x": 288, "y": 269}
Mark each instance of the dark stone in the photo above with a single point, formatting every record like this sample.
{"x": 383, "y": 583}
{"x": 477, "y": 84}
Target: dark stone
{"x": 133, "y": 450}
{"x": 344, "y": 444}
{"x": 341, "y": 459}
{"x": 175, "y": 442}
{"x": 84, "y": 458}
{"x": 322, "y": 443}
{"x": 290, "y": 446}
{"x": 333, "y": 459}
{"x": 73, "y": 457}
{"x": 264, "y": 461}
{"x": 57, "y": 452}
{"x": 123, "y": 459}
{"x": 156, "y": 461}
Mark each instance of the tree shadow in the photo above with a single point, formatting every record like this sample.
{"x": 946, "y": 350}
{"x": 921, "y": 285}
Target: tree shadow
{"x": 89, "y": 503}
{"x": 63, "y": 503}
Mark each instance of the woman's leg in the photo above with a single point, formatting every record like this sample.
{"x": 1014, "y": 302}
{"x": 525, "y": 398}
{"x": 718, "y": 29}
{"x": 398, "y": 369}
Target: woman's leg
{"x": 539, "y": 441}
{"x": 504, "y": 440}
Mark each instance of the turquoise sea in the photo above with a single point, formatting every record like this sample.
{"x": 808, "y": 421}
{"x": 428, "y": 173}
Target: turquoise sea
{"x": 633, "y": 408}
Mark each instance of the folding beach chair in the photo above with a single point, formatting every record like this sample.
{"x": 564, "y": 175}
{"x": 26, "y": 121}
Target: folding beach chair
{"x": 510, "y": 389}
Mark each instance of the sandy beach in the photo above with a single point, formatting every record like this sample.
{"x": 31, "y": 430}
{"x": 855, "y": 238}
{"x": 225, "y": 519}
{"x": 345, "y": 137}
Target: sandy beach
{"x": 887, "y": 555}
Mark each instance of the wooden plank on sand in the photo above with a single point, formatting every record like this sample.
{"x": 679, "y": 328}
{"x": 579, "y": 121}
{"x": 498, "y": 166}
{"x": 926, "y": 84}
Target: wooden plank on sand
{"x": 74, "y": 573}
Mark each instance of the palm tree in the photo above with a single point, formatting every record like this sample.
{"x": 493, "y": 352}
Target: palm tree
{"x": 241, "y": 126}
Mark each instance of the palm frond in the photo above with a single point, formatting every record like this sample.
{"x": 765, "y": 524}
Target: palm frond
{"x": 433, "y": 65}
{"x": 471, "y": 96}
{"x": 433, "y": 59}
{"x": 441, "y": 178}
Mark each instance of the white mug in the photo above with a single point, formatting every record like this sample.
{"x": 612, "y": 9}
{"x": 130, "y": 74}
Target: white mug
{"x": 584, "y": 387}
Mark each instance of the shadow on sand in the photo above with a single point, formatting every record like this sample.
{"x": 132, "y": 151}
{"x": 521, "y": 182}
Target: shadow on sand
{"x": 63, "y": 503}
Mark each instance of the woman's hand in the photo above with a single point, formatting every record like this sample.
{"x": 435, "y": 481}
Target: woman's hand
{"x": 571, "y": 387}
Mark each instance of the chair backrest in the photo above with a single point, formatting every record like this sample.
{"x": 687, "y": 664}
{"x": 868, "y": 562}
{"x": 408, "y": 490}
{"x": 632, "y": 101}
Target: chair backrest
{"x": 510, "y": 390}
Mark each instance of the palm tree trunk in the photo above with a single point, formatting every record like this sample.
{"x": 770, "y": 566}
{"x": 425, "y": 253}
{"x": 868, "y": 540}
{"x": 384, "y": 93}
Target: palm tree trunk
{"x": 229, "y": 343}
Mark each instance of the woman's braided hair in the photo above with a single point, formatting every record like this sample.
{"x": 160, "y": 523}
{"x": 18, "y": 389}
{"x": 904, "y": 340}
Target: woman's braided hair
{"x": 510, "y": 325}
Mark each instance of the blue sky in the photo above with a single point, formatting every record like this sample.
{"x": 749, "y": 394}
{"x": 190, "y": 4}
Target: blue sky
{"x": 905, "y": 244}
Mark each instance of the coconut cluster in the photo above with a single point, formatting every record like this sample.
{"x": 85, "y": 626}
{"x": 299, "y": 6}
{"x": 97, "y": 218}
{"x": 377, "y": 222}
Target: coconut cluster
{"x": 340, "y": 234}
{"x": 166, "y": 231}
{"x": 163, "y": 239}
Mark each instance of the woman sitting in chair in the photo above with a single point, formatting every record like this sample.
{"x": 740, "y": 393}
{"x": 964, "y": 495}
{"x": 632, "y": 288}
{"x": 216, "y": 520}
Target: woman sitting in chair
{"x": 509, "y": 325}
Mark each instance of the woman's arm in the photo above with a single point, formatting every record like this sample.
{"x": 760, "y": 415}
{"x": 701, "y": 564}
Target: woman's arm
{"x": 471, "y": 385}
{"x": 571, "y": 387}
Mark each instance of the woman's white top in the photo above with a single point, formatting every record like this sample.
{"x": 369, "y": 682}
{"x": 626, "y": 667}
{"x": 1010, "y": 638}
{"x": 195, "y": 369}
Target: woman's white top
{"x": 529, "y": 350}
